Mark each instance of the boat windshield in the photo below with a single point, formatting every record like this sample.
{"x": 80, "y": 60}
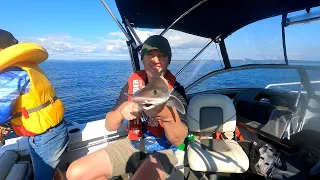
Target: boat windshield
{"x": 261, "y": 43}
{"x": 184, "y": 48}
{"x": 257, "y": 43}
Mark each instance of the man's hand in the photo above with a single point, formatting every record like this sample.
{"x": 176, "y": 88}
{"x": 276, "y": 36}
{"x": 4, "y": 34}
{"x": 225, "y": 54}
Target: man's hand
{"x": 4, "y": 132}
{"x": 130, "y": 110}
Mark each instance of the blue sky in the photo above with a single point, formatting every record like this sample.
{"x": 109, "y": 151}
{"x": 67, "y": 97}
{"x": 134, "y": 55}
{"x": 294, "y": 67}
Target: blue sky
{"x": 73, "y": 30}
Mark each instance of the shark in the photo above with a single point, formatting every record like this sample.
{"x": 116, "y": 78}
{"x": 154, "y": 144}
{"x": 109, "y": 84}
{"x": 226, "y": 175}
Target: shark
{"x": 156, "y": 93}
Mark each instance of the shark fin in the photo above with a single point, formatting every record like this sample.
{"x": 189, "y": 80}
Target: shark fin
{"x": 160, "y": 73}
{"x": 176, "y": 103}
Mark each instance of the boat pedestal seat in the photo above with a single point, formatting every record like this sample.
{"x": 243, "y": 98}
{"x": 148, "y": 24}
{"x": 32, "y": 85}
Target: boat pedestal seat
{"x": 227, "y": 158}
{"x": 210, "y": 113}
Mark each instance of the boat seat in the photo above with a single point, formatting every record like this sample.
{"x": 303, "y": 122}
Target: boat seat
{"x": 12, "y": 169}
{"x": 19, "y": 171}
{"x": 208, "y": 113}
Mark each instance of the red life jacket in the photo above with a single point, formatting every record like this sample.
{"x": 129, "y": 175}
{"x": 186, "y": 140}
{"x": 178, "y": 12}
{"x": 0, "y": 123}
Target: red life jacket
{"x": 136, "y": 82}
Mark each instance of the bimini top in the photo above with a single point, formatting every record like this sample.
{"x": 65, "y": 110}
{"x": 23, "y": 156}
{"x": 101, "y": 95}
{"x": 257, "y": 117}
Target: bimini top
{"x": 211, "y": 19}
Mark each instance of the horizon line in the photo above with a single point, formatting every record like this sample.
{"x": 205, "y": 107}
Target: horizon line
{"x": 176, "y": 60}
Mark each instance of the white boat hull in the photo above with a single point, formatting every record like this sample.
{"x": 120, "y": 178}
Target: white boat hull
{"x": 84, "y": 139}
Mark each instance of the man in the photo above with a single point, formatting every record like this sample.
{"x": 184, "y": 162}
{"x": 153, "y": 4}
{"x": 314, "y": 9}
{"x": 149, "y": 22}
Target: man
{"x": 158, "y": 136}
{"x": 28, "y": 102}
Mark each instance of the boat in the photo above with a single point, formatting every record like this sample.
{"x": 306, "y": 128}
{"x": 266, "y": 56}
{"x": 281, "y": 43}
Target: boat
{"x": 283, "y": 124}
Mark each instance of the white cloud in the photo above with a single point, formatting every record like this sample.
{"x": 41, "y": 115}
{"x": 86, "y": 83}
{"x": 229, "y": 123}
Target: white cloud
{"x": 117, "y": 34}
{"x": 113, "y": 45}
{"x": 143, "y": 35}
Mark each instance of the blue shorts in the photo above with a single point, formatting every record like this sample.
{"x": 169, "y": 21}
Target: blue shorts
{"x": 46, "y": 150}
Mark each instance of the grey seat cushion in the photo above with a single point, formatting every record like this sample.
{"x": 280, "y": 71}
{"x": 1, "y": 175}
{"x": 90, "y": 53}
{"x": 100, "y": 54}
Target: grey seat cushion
{"x": 214, "y": 145}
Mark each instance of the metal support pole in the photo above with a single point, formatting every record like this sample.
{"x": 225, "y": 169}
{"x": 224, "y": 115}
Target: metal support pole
{"x": 118, "y": 23}
{"x": 184, "y": 14}
{"x": 224, "y": 54}
{"x": 134, "y": 57}
{"x": 283, "y": 25}
{"x": 305, "y": 81}
{"x": 133, "y": 52}
{"x": 194, "y": 58}
{"x": 132, "y": 46}
{"x": 132, "y": 31}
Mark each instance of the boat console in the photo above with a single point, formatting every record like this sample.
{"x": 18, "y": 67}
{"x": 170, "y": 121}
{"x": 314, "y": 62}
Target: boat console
{"x": 270, "y": 111}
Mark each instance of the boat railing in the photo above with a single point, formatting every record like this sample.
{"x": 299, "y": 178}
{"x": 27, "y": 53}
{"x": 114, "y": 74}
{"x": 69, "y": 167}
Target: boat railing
{"x": 288, "y": 84}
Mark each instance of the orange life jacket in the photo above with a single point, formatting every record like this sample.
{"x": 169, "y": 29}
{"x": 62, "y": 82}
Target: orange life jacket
{"x": 136, "y": 82}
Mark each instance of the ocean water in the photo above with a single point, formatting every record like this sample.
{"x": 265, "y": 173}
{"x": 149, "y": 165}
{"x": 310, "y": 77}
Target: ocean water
{"x": 89, "y": 89}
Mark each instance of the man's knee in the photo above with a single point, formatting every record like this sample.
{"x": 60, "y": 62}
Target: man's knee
{"x": 151, "y": 168}
{"x": 78, "y": 171}
{"x": 75, "y": 171}
{"x": 154, "y": 160}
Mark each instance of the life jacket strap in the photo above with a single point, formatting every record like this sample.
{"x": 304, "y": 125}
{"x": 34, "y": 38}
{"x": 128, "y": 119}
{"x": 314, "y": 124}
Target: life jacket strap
{"x": 236, "y": 135}
{"x": 25, "y": 112}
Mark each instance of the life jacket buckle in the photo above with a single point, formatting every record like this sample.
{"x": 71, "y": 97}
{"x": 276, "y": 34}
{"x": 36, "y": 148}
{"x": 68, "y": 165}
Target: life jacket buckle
{"x": 25, "y": 113}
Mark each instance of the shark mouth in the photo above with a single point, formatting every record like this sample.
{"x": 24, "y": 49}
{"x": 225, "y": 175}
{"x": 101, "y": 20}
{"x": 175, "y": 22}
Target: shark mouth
{"x": 148, "y": 107}
{"x": 151, "y": 101}
{"x": 149, "y": 104}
